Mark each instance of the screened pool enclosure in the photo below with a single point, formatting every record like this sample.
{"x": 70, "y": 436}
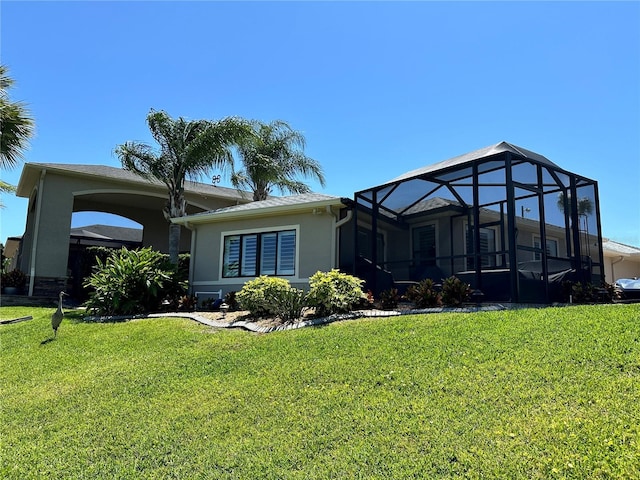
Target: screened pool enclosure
{"x": 508, "y": 221}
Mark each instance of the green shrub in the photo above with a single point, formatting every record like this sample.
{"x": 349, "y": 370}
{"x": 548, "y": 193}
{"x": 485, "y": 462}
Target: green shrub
{"x": 289, "y": 304}
{"x": 334, "y": 292}
{"x": 15, "y": 278}
{"x": 425, "y": 294}
{"x": 579, "y": 292}
{"x": 93, "y": 257}
{"x": 178, "y": 285}
{"x": 455, "y": 292}
{"x": 389, "y": 299}
{"x": 88, "y": 264}
{"x": 259, "y": 296}
{"x": 130, "y": 282}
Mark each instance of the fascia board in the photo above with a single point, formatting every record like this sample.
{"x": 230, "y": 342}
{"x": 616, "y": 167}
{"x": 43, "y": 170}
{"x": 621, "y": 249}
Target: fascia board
{"x": 214, "y": 217}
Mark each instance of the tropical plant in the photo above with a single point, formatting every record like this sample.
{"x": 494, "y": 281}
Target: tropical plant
{"x": 454, "y": 291}
{"x": 586, "y": 292}
{"x": 14, "y": 278}
{"x": 389, "y": 299}
{"x": 274, "y": 158}
{"x": 188, "y": 149}
{"x": 16, "y": 125}
{"x": 289, "y": 305}
{"x": 231, "y": 300}
{"x": 334, "y": 292}
{"x": 130, "y": 282}
{"x": 425, "y": 294}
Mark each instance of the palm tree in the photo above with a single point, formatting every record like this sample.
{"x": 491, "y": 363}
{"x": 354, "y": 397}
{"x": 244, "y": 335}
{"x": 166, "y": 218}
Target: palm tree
{"x": 16, "y": 125}
{"x": 585, "y": 208}
{"x": 585, "y": 205}
{"x": 187, "y": 149}
{"x": 274, "y": 157}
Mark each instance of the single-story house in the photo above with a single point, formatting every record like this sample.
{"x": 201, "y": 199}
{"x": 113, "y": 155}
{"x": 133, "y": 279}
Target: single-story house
{"x": 505, "y": 219}
{"x": 620, "y": 261}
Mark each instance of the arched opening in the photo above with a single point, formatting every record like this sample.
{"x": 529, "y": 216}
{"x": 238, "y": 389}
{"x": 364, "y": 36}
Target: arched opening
{"x": 92, "y": 232}
{"x": 82, "y": 219}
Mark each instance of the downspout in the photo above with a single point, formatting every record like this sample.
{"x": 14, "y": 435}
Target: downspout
{"x": 620, "y": 260}
{"x": 334, "y": 234}
{"x": 192, "y": 266}
{"x": 34, "y": 244}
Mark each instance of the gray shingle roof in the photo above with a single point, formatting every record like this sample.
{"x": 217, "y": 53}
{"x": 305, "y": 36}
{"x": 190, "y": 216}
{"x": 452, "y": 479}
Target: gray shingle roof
{"x": 272, "y": 206}
{"x": 109, "y": 232}
{"x": 288, "y": 201}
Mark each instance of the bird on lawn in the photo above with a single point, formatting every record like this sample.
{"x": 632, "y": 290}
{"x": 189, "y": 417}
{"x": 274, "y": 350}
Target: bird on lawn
{"x": 56, "y": 318}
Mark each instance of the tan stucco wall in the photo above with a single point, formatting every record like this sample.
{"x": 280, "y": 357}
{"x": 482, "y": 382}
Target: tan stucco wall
{"x": 58, "y": 194}
{"x": 315, "y": 243}
{"x": 625, "y": 267}
{"x": 55, "y": 201}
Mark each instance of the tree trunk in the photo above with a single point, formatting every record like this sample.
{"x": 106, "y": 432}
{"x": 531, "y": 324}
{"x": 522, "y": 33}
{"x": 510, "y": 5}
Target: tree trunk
{"x": 174, "y": 242}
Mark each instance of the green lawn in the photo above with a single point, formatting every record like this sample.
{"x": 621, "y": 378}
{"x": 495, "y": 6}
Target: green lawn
{"x": 548, "y": 393}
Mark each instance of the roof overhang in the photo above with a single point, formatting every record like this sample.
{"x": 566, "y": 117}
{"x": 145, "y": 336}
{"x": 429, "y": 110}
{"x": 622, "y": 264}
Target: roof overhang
{"x": 616, "y": 249}
{"x": 31, "y": 173}
{"x": 215, "y": 216}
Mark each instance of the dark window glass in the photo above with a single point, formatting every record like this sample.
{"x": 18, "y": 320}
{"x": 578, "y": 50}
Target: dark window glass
{"x": 424, "y": 245}
{"x": 255, "y": 254}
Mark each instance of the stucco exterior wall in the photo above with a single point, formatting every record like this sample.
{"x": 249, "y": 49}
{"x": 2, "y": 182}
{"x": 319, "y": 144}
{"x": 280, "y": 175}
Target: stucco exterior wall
{"x": 616, "y": 267}
{"x": 55, "y": 194}
{"x": 315, "y": 243}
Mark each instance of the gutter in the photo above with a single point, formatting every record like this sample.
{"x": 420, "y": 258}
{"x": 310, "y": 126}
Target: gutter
{"x": 620, "y": 260}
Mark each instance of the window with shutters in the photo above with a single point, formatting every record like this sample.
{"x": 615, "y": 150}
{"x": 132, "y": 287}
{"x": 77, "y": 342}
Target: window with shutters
{"x": 487, "y": 248}
{"x": 265, "y": 253}
{"x": 552, "y": 247}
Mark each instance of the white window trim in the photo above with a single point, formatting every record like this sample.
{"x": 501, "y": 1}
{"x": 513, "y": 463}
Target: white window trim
{"x": 539, "y": 239}
{"x": 250, "y": 231}
{"x": 497, "y": 244}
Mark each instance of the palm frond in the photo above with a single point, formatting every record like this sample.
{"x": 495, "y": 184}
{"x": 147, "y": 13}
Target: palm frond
{"x": 274, "y": 158}
{"x": 16, "y": 124}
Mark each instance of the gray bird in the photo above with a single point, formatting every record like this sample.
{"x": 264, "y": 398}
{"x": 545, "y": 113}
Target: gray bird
{"x": 56, "y": 318}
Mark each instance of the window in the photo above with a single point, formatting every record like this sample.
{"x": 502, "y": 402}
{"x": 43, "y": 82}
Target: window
{"x": 250, "y": 255}
{"x": 424, "y": 245}
{"x": 364, "y": 244}
{"x": 487, "y": 246}
{"x": 552, "y": 247}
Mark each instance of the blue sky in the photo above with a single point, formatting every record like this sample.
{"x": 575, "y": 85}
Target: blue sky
{"x": 377, "y": 88}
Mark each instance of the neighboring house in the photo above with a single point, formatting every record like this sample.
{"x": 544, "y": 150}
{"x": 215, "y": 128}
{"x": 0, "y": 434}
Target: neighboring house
{"x": 508, "y": 221}
{"x": 10, "y": 252}
{"x": 620, "y": 261}
{"x": 109, "y": 236}
{"x": 56, "y": 191}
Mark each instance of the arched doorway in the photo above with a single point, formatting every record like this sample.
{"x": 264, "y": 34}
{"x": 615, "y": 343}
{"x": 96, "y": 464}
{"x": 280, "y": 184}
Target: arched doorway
{"x": 92, "y": 234}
